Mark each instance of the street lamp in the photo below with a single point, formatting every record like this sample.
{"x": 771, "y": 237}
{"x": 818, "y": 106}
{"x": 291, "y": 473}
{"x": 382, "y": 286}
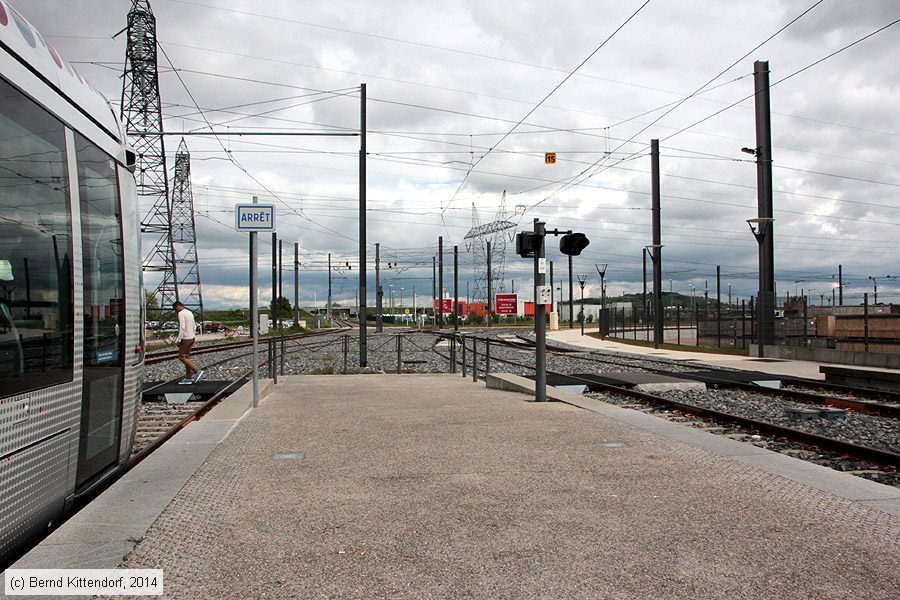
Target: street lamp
{"x": 582, "y": 279}
{"x": 875, "y": 283}
{"x": 601, "y": 270}
{"x": 874, "y": 287}
{"x": 764, "y": 302}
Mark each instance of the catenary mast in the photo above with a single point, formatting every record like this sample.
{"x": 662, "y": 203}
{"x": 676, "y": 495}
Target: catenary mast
{"x": 141, "y": 115}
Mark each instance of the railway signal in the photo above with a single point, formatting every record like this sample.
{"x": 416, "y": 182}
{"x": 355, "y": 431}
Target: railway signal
{"x": 572, "y": 244}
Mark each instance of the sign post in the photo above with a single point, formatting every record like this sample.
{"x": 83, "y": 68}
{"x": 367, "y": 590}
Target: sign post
{"x": 254, "y": 218}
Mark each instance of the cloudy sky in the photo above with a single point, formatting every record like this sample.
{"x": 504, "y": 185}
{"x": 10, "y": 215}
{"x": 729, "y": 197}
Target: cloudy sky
{"x": 460, "y": 110}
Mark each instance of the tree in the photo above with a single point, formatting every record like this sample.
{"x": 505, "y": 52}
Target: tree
{"x": 285, "y": 309}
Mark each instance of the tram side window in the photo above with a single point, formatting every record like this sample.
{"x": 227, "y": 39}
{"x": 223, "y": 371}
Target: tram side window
{"x": 36, "y": 302}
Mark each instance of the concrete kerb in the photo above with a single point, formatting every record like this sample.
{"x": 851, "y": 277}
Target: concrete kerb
{"x": 102, "y": 533}
{"x": 874, "y": 495}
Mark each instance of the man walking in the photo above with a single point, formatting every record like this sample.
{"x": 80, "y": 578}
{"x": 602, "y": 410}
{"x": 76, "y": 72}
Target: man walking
{"x": 185, "y": 339}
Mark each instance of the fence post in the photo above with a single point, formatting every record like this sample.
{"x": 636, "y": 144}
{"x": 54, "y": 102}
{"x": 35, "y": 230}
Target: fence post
{"x": 281, "y": 359}
{"x": 752, "y": 321}
{"x": 399, "y": 350}
{"x": 474, "y": 359}
{"x": 487, "y": 356}
{"x": 866, "y": 321}
{"x": 464, "y": 356}
{"x": 805, "y": 324}
{"x": 678, "y": 324}
{"x": 453, "y": 353}
{"x": 697, "y": 324}
{"x": 273, "y": 357}
{"x": 743, "y": 324}
{"x": 733, "y": 329}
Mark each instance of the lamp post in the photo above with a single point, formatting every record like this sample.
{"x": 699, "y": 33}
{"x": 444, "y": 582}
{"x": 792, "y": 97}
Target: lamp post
{"x": 874, "y": 288}
{"x": 875, "y": 284}
{"x": 840, "y": 285}
{"x": 764, "y": 302}
{"x": 601, "y": 270}
{"x": 582, "y": 279}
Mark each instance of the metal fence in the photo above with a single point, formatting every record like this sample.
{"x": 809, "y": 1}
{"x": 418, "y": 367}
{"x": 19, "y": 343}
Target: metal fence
{"x": 862, "y": 328}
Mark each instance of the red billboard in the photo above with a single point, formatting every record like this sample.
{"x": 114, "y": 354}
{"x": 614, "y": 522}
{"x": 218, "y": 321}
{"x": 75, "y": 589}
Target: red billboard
{"x": 506, "y": 304}
{"x": 448, "y": 306}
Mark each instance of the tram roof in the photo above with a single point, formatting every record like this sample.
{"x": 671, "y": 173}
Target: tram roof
{"x": 24, "y": 43}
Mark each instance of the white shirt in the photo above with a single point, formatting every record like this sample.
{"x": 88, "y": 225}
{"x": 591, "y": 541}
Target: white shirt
{"x": 186, "y": 325}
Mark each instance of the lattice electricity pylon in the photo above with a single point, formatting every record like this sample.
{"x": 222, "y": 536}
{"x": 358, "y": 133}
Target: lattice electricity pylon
{"x": 142, "y": 117}
{"x": 495, "y": 233}
{"x": 184, "y": 233}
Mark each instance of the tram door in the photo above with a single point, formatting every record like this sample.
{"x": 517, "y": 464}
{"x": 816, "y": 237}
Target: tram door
{"x": 104, "y": 311}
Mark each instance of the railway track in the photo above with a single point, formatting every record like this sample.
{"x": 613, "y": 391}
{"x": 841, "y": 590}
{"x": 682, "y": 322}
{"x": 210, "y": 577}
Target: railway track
{"x": 159, "y": 421}
{"x": 878, "y": 456}
{"x": 885, "y": 404}
{"x": 158, "y": 357}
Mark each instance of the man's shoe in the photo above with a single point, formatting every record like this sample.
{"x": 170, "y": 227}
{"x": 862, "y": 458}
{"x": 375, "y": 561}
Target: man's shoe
{"x": 186, "y": 381}
{"x": 199, "y": 375}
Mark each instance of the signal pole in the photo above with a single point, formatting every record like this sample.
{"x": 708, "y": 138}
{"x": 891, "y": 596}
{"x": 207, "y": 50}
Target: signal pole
{"x": 379, "y": 293}
{"x": 328, "y": 309}
{"x": 433, "y": 290}
{"x": 296, "y": 284}
{"x": 571, "y": 304}
{"x": 280, "y": 275}
{"x": 540, "y": 326}
{"x": 274, "y": 312}
{"x": 440, "y": 282}
{"x": 455, "y": 288}
{"x": 487, "y": 317}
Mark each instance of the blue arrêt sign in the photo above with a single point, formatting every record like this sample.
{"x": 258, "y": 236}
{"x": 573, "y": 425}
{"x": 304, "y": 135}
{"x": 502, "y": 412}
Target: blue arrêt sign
{"x": 254, "y": 217}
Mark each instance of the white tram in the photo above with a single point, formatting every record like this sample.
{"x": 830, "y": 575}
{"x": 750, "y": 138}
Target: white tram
{"x": 71, "y": 357}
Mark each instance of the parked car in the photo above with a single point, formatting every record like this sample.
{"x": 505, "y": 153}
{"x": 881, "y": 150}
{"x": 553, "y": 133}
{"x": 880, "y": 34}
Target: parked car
{"x": 213, "y": 327}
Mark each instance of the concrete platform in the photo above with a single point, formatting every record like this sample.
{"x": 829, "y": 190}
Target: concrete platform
{"x": 103, "y": 532}
{"x": 653, "y": 383}
{"x": 430, "y": 486}
{"x": 874, "y": 379}
{"x": 777, "y": 366}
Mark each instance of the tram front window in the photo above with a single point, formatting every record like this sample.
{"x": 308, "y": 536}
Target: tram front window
{"x": 36, "y": 308}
